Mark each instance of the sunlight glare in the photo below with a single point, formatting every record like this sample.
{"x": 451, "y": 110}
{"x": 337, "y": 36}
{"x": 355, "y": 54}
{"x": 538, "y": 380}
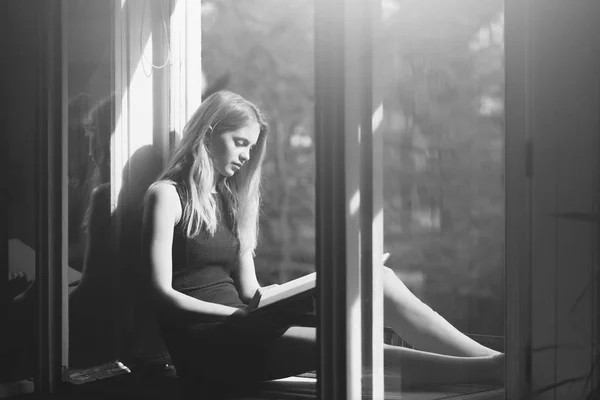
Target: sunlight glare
{"x": 118, "y": 158}
{"x": 134, "y": 127}
{"x": 354, "y": 203}
{"x": 377, "y": 117}
{"x": 141, "y": 99}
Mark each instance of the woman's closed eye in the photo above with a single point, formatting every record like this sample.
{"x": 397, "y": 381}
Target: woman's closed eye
{"x": 243, "y": 143}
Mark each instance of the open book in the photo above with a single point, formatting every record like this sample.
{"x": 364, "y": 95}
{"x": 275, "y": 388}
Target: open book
{"x": 289, "y": 291}
{"x": 300, "y": 287}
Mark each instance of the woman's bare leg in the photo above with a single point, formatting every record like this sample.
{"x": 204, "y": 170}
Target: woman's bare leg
{"x": 422, "y": 327}
{"x": 295, "y": 353}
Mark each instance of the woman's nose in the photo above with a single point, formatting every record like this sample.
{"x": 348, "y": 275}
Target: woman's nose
{"x": 244, "y": 156}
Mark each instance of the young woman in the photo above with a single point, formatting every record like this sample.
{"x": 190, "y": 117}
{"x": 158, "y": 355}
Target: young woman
{"x": 200, "y": 232}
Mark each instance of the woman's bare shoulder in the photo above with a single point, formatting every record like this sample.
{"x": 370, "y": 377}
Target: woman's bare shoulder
{"x": 164, "y": 194}
{"x": 163, "y": 185}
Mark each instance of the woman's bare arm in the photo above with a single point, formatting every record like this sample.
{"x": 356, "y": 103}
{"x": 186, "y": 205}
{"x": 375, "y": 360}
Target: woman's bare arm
{"x": 244, "y": 276}
{"x": 162, "y": 211}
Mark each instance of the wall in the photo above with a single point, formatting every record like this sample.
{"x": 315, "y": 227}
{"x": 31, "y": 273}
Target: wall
{"x": 19, "y": 108}
{"x": 564, "y": 104}
{"x": 18, "y": 69}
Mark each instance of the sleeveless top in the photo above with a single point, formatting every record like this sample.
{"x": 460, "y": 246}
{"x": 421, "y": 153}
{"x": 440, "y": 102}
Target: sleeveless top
{"x": 202, "y": 265}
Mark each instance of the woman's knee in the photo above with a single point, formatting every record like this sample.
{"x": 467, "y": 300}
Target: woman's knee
{"x": 390, "y": 279}
{"x": 388, "y": 273}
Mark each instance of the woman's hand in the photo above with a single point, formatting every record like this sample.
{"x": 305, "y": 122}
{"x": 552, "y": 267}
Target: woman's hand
{"x": 260, "y": 292}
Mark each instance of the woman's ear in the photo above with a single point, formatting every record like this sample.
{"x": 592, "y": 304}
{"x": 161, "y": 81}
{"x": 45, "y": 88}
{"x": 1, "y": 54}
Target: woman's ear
{"x": 208, "y": 135}
{"x": 208, "y": 143}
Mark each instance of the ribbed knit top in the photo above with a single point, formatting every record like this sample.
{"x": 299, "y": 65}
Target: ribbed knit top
{"x": 202, "y": 265}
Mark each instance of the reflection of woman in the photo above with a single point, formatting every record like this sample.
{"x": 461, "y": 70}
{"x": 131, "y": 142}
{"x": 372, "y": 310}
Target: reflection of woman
{"x": 200, "y": 232}
{"x": 89, "y": 166}
{"x": 78, "y": 162}
{"x": 92, "y": 323}
{"x": 99, "y": 128}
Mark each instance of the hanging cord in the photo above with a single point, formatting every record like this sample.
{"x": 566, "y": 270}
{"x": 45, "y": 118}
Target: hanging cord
{"x": 164, "y": 23}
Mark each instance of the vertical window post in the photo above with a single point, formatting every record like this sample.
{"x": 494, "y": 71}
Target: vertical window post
{"x": 371, "y": 190}
{"x": 51, "y": 252}
{"x": 518, "y": 200}
{"x": 345, "y": 220}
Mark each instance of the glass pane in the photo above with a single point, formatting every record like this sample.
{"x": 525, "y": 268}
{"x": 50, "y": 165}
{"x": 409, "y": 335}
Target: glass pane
{"x": 92, "y": 320}
{"x": 443, "y": 128}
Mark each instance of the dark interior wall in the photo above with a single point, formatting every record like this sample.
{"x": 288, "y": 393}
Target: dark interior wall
{"x": 19, "y": 71}
{"x": 19, "y": 44}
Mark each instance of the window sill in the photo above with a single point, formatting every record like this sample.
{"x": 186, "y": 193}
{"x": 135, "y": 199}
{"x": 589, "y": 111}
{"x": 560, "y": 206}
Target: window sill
{"x": 306, "y": 388}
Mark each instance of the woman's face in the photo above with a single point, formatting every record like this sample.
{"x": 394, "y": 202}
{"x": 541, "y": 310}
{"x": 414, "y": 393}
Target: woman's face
{"x": 230, "y": 150}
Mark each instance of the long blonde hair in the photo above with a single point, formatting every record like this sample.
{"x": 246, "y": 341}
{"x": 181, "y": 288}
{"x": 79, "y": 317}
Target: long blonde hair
{"x": 191, "y": 165}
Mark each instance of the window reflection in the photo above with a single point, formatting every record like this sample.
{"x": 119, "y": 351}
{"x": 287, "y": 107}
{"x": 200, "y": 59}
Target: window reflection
{"x": 442, "y": 85}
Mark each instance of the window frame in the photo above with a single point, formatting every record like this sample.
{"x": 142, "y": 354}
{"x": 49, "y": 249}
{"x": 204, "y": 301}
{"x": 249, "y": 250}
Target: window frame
{"x": 51, "y": 198}
{"x": 51, "y": 201}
